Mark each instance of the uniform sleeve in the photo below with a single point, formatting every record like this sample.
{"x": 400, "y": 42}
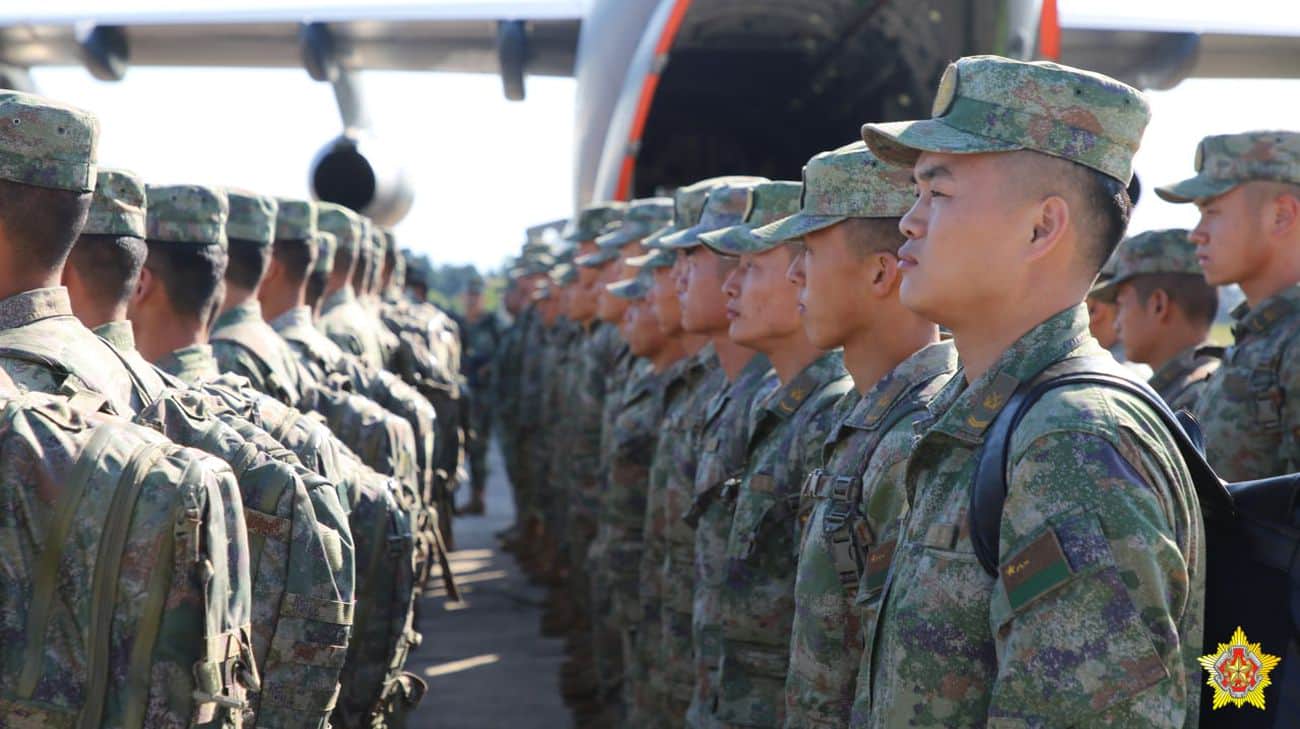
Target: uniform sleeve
{"x": 1092, "y": 588}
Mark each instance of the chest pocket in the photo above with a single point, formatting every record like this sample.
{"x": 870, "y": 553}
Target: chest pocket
{"x": 1258, "y": 385}
{"x": 761, "y": 513}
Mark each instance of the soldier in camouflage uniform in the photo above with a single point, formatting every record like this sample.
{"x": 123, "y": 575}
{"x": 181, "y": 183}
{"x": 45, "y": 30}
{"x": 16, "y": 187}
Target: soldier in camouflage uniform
{"x": 1165, "y": 310}
{"x": 790, "y": 424}
{"x": 848, "y": 273}
{"x": 46, "y": 183}
{"x": 482, "y": 332}
{"x": 104, "y": 269}
{"x": 1251, "y": 430}
{"x": 641, "y": 218}
{"x": 241, "y": 340}
{"x": 724, "y": 440}
{"x": 342, "y": 317}
{"x": 703, "y": 314}
{"x": 1093, "y": 616}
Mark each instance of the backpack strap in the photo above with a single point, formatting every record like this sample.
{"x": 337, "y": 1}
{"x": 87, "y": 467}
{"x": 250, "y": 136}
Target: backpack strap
{"x": 989, "y": 493}
{"x": 104, "y": 583}
{"x": 249, "y": 338}
{"x": 53, "y": 359}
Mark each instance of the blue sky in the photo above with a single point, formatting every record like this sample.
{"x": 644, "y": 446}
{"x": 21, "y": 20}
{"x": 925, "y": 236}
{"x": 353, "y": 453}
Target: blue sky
{"x": 485, "y": 168}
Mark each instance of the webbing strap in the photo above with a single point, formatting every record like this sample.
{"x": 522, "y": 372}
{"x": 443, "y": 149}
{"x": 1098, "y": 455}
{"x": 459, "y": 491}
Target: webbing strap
{"x": 45, "y": 580}
{"x": 108, "y": 569}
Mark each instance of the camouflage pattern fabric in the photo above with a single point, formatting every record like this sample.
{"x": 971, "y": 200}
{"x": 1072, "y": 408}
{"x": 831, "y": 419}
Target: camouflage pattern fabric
{"x": 246, "y": 345}
{"x": 1102, "y": 564}
{"x": 666, "y": 698}
{"x": 44, "y": 348}
{"x": 728, "y": 422}
{"x": 678, "y": 567}
{"x": 1250, "y": 431}
{"x": 47, "y": 143}
{"x": 845, "y": 505}
{"x": 1181, "y": 380}
{"x": 1224, "y": 161}
{"x": 110, "y": 572}
{"x": 995, "y": 104}
{"x": 482, "y": 339}
{"x": 1151, "y": 252}
{"x": 301, "y": 559}
{"x": 117, "y": 206}
{"x": 344, "y": 320}
{"x": 757, "y": 593}
{"x": 146, "y": 380}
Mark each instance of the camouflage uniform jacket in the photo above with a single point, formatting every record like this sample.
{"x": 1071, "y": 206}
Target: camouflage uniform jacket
{"x": 343, "y": 320}
{"x": 757, "y": 594}
{"x": 1095, "y": 618}
{"x": 1182, "y": 379}
{"x": 663, "y": 464}
{"x": 532, "y": 386}
{"x": 246, "y": 345}
{"x": 724, "y": 442}
{"x": 597, "y": 363}
{"x": 624, "y": 366}
{"x": 623, "y": 499}
{"x": 70, "y": 357}
{"x": 678, "y": 567}
{"x": 1251, "y": 430}
{"x": 845, "y": 505}
{"x": 481, "y": 338}
{"x": 192, "y": 365}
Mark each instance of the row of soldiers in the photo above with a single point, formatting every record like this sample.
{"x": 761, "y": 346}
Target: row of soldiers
{"x": 229, "y": 438}
{"x": 743, "y": 424}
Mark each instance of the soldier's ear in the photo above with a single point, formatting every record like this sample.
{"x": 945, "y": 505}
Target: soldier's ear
{"x": 143, "y": 287}
{"x": 1050, "y": 222}
{"x": 1285, "y": 213}
{"x": 1158, "y": 304}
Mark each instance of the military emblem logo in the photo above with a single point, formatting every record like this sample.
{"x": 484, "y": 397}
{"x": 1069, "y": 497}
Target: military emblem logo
{"x": 1239, "y": 672}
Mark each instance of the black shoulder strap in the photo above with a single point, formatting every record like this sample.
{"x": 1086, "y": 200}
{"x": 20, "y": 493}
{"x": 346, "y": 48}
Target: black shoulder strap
{"x": 989, "y": 493}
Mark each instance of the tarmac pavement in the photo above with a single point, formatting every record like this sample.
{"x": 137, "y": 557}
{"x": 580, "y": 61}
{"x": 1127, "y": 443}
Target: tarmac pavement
{"x": 485, "y": 660}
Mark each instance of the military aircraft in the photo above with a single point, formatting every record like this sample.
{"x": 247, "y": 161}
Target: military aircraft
{"x": 669, "y": 91}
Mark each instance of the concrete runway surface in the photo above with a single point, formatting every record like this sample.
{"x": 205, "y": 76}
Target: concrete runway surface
{"x": 485, "y": 660}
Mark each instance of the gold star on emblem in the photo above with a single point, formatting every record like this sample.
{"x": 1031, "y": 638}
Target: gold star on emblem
{"x": 1238, "y": 672}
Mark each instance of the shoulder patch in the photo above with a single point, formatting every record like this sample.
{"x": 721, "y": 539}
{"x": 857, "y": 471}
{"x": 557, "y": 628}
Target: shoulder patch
{"x": 1037, "y": 568}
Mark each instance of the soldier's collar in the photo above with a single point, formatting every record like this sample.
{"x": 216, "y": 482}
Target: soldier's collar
{"x": 250, "y": 310}
{"x": 298, "y": 316}
{"x": 1175, "y": 368}
{"x": 913, "y": 372}
{"x": 789, "y": 397}
{"x": 32, "y": 306}
{"x": 1051, "y": 341}
{"x": 120, "y": 334}
{"x": 1257, "y": 320}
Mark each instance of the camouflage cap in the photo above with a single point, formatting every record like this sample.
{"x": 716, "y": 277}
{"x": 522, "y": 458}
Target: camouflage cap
{"x": 1224, "y": 161}
{"x": 597, "y": 258}
{"x": 186, "y": 214}
{"x": 295, "y": 219}
{"x": 770, "y": 201}
{"x": 341, "y": 222}
{"x": 252, "y": 217}
{"x": 326, "y": 245}
{"x": 726, "y": 205}
{"x": 1155, "y": 251}
{"x": 995, "y": 104}
{"x": 632, "y": 289}
{"x": 117, "y": 207}
{"x": 688, "y": 205}
{"x": 564, "y": 274}
{"x": 642, "y": 218}
{"x": 844, "y": 183}
{"x": 539, "y": 263}
{"x": 659, "y": 258}
{"x": 593, "y": 219}
{"x": 47, "y": 143}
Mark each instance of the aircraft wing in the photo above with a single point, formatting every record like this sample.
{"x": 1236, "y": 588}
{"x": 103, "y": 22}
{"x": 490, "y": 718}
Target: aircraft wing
{"x": 460, "y": 35}
{"x": 1168, "y": 41}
